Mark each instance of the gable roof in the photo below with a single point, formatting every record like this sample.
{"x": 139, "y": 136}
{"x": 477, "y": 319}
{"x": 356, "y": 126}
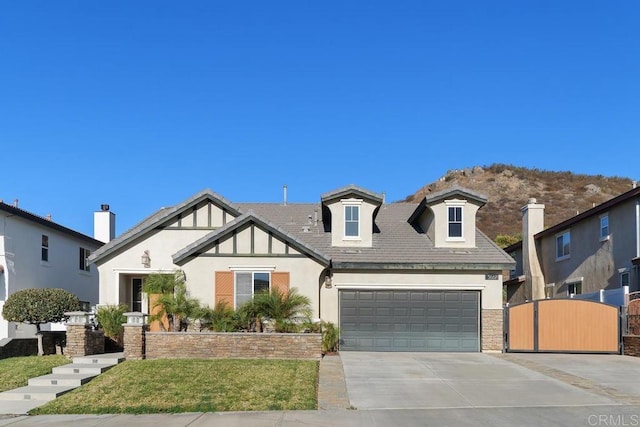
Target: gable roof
{"x": 12, "y": 210}
{"x": 352, "y": 190}
{"x": 397, "y": 245}
{"x": 204, "y": 243}
{"x": 438, "y": 196}
{"x": 160, "y": 217}
{"x": 603, "y": 207}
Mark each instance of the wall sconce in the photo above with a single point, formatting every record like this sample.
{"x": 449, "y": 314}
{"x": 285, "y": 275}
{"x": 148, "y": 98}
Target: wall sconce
{"x": 1, "y": 269}
{"x": 327, "y": 280}
{"x": 146, "y": 259}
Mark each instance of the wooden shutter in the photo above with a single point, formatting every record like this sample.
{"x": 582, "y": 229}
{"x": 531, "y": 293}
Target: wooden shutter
{"x": 280, "y": 281}
{"x": 224, "y": 287}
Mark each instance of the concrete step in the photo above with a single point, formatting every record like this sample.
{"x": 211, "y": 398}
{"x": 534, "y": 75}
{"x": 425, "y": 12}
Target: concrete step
{"x": 81, "y": 368}
{"x": 35, "y": 393}
{"x": 100, "y": 359}
{"x": 75, "y": 380}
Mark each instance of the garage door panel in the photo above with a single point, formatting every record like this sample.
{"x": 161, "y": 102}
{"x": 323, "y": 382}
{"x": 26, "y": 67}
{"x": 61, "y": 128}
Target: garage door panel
{"x": 409, "y": 320}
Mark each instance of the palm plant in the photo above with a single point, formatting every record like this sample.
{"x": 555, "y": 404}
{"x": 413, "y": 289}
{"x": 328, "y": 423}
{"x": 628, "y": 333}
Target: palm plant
{"x": 219, "y": 319}
{"x": 174, "y": 302}
{"x": 283, "y": 308}
{"x": 110, "y": 319}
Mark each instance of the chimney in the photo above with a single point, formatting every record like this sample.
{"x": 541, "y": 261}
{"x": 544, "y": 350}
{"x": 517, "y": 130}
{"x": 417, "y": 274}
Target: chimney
{"x": 104, "y": 224}
{"x": 532, "y": 223}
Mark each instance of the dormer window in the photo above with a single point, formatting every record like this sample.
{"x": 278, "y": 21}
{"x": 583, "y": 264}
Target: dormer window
{"x": 352, "y": 221}
{"x": 455, "y": 222}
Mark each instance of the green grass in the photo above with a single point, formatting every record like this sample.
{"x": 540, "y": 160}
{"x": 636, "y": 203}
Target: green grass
{"x": 16, "y": 371}
{"x": 190, "y": 385}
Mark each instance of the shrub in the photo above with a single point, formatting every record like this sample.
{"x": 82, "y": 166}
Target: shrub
{"x": 283, "y": 308}
{"x": 218, "y": 319}
{"x": 38, "y": 306}
{"x": 330, "y": 337}
{"x": 110, "y": 319}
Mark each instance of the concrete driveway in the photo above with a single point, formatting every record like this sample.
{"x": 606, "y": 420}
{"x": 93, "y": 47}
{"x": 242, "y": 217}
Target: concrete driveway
{"x": 478, "y": 380}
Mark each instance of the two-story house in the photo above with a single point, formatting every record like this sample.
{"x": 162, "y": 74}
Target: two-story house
{"x": 36, "y": 252}
{"x": 599, "y": 249}
{"x": 393, "y": 277}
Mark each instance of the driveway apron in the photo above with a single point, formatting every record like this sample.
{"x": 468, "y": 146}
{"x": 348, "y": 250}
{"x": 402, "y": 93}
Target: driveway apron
{"x": 378, "y": 380}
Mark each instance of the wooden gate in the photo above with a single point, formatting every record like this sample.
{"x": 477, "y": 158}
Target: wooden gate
{"x": 562, "y": 326}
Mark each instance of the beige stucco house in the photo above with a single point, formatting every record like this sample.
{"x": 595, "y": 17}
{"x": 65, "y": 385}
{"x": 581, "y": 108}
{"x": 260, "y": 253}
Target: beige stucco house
{"x": 596, "y": 250}
{"x": 393, "y": 277}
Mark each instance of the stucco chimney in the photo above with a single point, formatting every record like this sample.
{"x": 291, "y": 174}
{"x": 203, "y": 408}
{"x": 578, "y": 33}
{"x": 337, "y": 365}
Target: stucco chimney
{"x": 104, "y": 224}
{"x": 532, "y": 223}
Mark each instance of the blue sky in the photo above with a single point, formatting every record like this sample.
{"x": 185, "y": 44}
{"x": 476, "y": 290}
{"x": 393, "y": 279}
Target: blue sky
{"x": 141, "y": 104}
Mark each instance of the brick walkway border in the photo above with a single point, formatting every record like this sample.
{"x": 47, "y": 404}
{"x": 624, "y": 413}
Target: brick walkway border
{"x": 332, "y": 388}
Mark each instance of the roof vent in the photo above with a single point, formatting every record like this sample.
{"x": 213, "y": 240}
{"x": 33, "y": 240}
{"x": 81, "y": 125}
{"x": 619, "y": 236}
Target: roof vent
{"x": 306, "y": 229}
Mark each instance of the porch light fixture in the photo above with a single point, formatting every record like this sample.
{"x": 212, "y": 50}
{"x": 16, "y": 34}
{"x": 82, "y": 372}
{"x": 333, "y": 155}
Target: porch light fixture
{"x": 146, "y": 259}
{"x": 327, "y": 280}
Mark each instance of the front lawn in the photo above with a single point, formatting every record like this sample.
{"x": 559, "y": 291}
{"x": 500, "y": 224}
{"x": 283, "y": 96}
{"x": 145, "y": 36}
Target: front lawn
{"x": 16, "y": 371}
{"x": 193, "y": 385}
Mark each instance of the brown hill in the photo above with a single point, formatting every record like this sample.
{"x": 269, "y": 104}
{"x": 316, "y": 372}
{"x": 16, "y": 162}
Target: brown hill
{"x": 508, "y": 188}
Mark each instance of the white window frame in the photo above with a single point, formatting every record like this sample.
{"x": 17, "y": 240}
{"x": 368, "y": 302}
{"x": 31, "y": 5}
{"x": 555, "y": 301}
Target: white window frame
{"x": 560, "y": 257}
{"x": 574, "y": 284}
{"x": 604, "y": 219}
{"x": 351, "y": 203}
{"x": 253, "y": 283}
{"x": 624, "y": 273}
{"x": 44, "y": 248}
{"x": 455, "y": 204}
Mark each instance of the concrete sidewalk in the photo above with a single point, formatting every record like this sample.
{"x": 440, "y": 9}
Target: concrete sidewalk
{"x": 627, "y": 415}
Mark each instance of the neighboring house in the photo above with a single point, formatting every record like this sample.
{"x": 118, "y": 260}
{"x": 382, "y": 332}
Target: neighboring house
{"x": 35, "y": 252}
{"x": 394, "y": 277}
{"x": 598, "y": 249}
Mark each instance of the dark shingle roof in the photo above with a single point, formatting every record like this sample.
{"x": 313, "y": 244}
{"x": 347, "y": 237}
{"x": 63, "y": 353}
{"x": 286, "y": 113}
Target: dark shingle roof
{"x": 157, "y": 218}
{"x": 47, "y": 223}
{"x": 397, "y": 245}
{"x": 204, "y": 242}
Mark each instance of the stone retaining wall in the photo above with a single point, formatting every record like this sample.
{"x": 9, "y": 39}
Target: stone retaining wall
{"x": 631, "y": 345}
{"x": 83, "y": 341}
{"x": 205, "y": 345}
{"x": 492, "y": 329}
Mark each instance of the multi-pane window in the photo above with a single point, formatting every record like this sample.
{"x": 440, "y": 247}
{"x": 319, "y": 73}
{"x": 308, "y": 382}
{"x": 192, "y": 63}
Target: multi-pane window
{"x": 83, "y": 263}
{"x": 250, "y": 283}
{"x": 604, "y": 227}
{"x": 455, "y": 221}
{"x": 574, "y": 288}
{"x": 44, "y": 254}
{"x": 352, "y": 221}
{"x": 563, "y": 245}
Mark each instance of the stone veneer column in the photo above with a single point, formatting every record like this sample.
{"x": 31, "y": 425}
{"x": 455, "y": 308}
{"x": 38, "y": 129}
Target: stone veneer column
{"x": 492, "y": 330}
{"x": 78, "y": 329}
{"x": 134, "y": 336}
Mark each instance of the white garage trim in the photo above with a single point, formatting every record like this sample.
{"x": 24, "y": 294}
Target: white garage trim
{"x": 408, "y": 286}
